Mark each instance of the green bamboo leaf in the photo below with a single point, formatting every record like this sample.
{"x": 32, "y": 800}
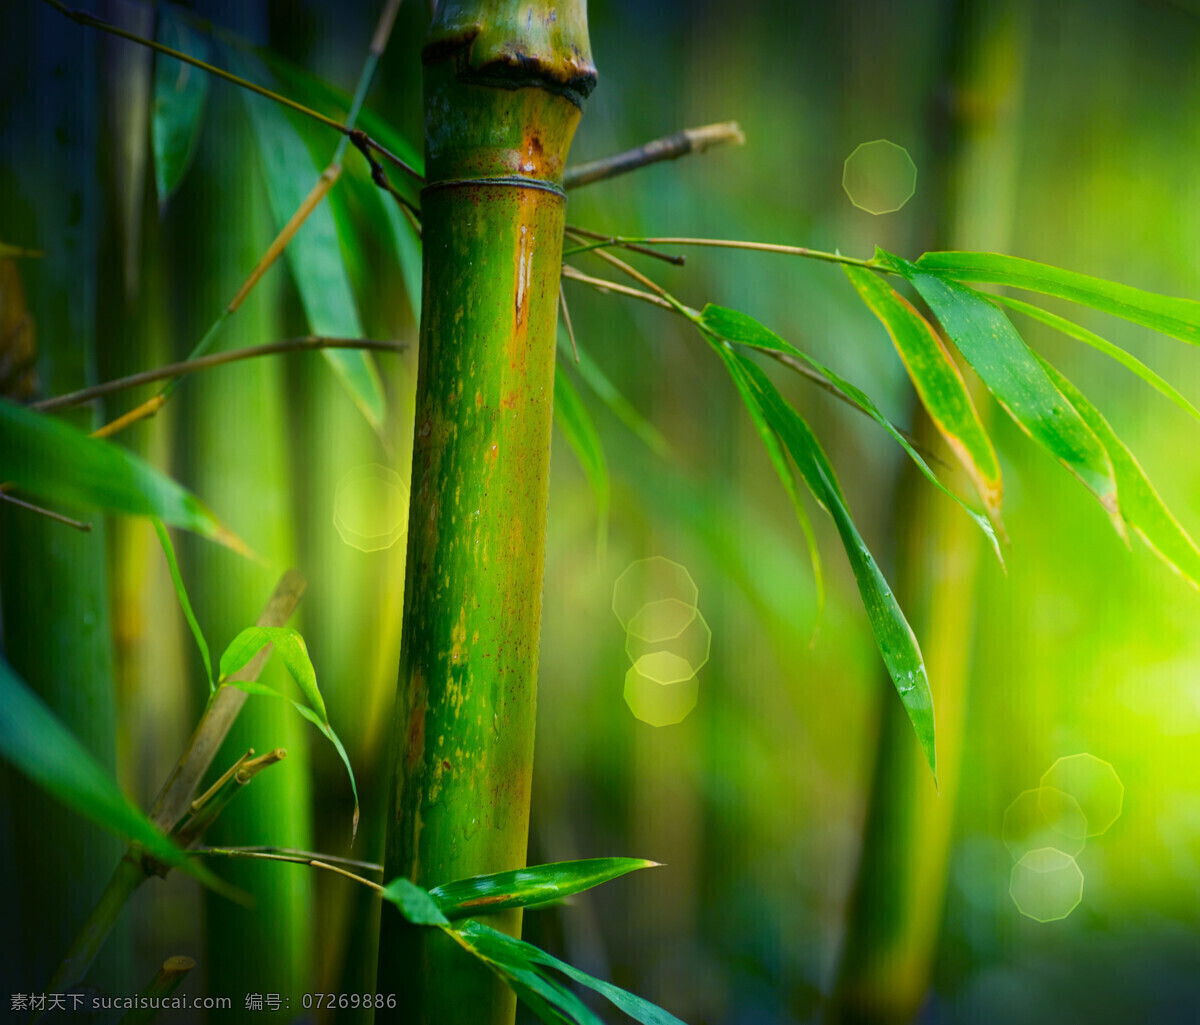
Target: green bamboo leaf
{"x": 939, "y": 384}
{"x": 407, "y": 244}
{"x": 37, "y": 744}
{"x": 290, "y": 647}
{"x": 775, "y": 451}
{"x": 415, "y": 904}
{"x": 48, "y": 457}
{"x": 986, "y": 337}
{"x": 618, "y": 405}
{"x": 529, "y": 887}
{"x": 313, "y": 254}
{"x": 179, "y": 94}
{"x": 893, "y": 636}
{"x": 548, "y": 998}
{"x": 577, "y": 427}
{"x": 1141, "y": 506}
{"x": 164, "y": 539}
{"x": 738, "y": 327}
{"x": 1179, "y": 318}
{"x": 263, "y": 690}
{"x": 501, "y": 949}
{"x": 1082, "y": 334}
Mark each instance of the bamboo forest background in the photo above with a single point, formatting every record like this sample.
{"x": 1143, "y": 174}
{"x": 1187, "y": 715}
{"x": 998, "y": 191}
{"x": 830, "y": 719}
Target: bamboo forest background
{"x": 1067, "y": 133}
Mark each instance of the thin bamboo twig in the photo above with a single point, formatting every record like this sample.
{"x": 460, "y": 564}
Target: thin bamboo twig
{"x": 175, "y": 798}
{"x": 562, "y": 300}
{"x": 166, "y": 980}
{"x": 285, "y": 853}
{"x": 90, "y": 21}
{"x": 669, "y": 147}
{"x": 217, "y": 359}
{"x": 318, "y": 192}
{"x": 604, "y": 285}
{"x": 667, "y": 301}
{"x": 727, "y": 243}
{"x": 302, "y": 858}
{"x": 49, "y": 513}
{"x": 678, "y": 261}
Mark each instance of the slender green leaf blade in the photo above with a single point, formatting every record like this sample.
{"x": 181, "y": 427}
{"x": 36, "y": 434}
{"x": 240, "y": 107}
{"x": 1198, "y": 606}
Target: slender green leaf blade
{"x": 1141, "y": 506}
{"x": 34, "y": 740}
{"x": 501, "y": 948}
{"x": 577, "y": 427}
{"x": 1082, "y": 334}
{"x": 779, "y": 461}
{"x": 938, "y": 382}
{"x": 313, "y": 254}
{"x": 741, "y": 328}
{"x": 986, "y": 337}
{"x": 289, "y": 646}
{"x": 263, "y": 690}
{"x": 893, "y": 636}
{"x": 1179, "y": 318}
{"x": 50, "y": 458}
{"x": 414, "y": 903}
{"x": 528, "y": 887}
{"x": 164, "y": 539}
{"x": 179, "y": 94}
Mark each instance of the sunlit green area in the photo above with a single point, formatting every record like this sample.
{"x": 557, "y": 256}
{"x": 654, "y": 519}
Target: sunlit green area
{"x": 699, "y": 705}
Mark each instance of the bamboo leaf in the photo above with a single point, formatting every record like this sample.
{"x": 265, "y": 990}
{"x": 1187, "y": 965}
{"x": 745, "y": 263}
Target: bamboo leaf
{"x": 939, "y": 384}
{"x": 577, "y": 427}
{"x": 1140, "y": 504}
{"x": 407, "y": 244}
{"x": 504, "y": 950}
{"x": 313, "y": 254}
{"x": 50, "y": 458}
{"x": 289, "y": 646}
{"x": 986, "y": 337}
{"x": 164, "y": 539}
{"x": 263, "y": 690}
{"x": 618, "y": 405}
{"x": 739, "y": 327}
{"x": 1179, "y": 318}
{"x": 529, "y": 887}
{"x": 775, "y": 452}
{"x": 179, "y": 94}
{"x": 414, "y": 903}
{"x": 37, "y": 744}
{"x": 893, "y": 636}
{"x": 1082, "y": 334}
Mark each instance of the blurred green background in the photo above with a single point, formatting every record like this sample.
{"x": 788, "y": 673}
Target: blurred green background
{"x": 1067, "y": 133}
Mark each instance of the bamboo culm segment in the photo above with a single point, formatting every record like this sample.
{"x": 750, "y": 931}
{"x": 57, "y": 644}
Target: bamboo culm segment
{"x": 503, "y": 90}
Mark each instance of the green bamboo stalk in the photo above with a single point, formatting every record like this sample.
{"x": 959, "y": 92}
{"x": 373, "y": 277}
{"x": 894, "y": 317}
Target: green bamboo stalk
{"x": 240, "y": 462}
{"x": 53, "y": 580}
{"x": 504, "y": 88}
{"x": 892, "y": 939}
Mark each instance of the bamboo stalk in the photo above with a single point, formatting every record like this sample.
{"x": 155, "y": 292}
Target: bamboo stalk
{"x": 493, "y": 215}
{"x": 895, "y": 919}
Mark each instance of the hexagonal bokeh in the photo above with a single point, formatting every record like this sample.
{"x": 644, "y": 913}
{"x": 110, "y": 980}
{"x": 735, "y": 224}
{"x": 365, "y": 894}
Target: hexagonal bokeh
{"x": 1044, "y": 818}
{"x": 669, "y": 626}
{"x": 660, "y": 704}
{"x": 1046, "y": 885}
{"x": 1094, "y": 783}
{"x": 370, "y": 507}
{"x": 650, "y": 581}
{"x": 879, "y": 177}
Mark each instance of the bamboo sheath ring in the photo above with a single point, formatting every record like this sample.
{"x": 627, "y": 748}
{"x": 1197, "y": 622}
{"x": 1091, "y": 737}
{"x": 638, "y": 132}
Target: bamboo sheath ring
{"x": 514, "y": 180}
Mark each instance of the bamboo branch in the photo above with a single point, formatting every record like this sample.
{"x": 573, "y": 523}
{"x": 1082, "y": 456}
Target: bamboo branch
{"x": 216, "y": 359}
{"x": 284, "y": 854}
{"x": 669, "y": 147}
{"x": 166, "y": 980}
{"x": 50, "y": 514}
{"x": 175, "y": 798}
{"x": 725, "y": 243}
{"x": 678, "y": 261}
